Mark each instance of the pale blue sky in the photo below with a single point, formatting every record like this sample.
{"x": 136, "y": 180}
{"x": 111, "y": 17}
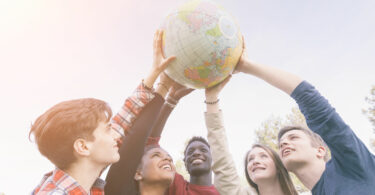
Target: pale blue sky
{"x": 52, "y": 51}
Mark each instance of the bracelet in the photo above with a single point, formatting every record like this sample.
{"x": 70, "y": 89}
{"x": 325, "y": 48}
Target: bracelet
{"x": 172, "y": 100}
{"x": 214, "y": 102}
{"x": 163, "y": 85}
{"x": 170, "y": 104}
{"x": 144, "y": 86}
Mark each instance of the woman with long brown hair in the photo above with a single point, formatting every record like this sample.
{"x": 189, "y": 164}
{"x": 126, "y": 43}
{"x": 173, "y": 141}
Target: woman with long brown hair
{"x": 264, "y": 170}
{"x": 266, "y": 173}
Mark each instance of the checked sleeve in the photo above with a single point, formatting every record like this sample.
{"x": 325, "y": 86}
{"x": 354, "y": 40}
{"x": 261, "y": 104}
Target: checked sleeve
{"x": 133, "y": 105}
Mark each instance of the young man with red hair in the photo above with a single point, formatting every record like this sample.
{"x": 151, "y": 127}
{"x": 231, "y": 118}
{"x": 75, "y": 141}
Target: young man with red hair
{"x": 80, "y": 139}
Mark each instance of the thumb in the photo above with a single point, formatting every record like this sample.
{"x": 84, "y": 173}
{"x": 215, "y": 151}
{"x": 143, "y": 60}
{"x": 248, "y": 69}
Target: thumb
{"x": 166, "y": 62}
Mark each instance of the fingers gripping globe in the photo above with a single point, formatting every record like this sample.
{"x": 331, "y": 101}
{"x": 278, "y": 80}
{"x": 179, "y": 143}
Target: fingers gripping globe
{"x": 206, "y": 41}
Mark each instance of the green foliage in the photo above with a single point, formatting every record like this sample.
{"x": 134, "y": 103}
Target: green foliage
{"x": 267, "y": 135}
{"x": 181, "y": 169}
{"x": 180, "y": 165}
{"x": 370, "y": 112}
{"x": 372, "y": 143}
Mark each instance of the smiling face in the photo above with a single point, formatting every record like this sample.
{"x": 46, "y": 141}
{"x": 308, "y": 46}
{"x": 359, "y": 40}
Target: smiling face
{"x": 156, "y": 166}
{"x": 198, "y": 158}
{"x": 260, "y": 165}
{"x": 296, "y": 150}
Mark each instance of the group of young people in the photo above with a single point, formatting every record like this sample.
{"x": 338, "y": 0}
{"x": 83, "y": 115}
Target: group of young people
{"x": 81, "y": 138}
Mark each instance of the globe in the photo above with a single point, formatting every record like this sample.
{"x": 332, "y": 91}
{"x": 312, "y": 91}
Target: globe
{"x": 206, "y": 41}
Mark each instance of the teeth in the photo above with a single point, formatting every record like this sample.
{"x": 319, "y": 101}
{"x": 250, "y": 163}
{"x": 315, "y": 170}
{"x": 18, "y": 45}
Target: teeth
{"x": 258, "y": 168}
{"x": 167, "y": 167}
{"x": 287, "y": 151}
{"x": 197, "y": 161}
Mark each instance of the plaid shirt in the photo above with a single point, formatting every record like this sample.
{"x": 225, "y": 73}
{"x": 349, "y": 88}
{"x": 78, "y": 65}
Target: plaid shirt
{"x": 59, "y": 183}
{"x": 124, "y": 119}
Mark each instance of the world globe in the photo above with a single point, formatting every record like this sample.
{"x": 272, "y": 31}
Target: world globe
{"x": 206, "y": 41}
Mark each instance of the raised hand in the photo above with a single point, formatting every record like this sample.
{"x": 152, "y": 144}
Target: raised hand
{"x": 160, "y": 62}
{"x": 212, "y": 93}
{"x": 164, "y": 85}
{"x": 178, "y": 91}
{"x": 242, "y": 64}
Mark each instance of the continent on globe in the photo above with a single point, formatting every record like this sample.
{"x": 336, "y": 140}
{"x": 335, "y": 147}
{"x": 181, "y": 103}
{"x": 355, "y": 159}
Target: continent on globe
{"x": 206, "y": 41}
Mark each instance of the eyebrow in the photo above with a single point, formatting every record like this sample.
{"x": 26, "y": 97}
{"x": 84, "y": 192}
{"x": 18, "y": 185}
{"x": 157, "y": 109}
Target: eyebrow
{"x": 292, "y": 134}
{"x": 156, "y": 152}
{"x": 252, "y": 155}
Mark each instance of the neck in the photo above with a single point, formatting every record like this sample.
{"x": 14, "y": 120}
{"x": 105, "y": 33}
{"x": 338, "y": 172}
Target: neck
{"x": 202, "y": 180}
{"x": 153, "y": 189}
{"x": 85, "y": 173}
{"x": 270, "y": 187}
{"x": 310, "y": 173}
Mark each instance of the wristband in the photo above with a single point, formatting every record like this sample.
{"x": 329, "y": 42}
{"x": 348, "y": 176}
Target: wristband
{"x": 213, "y": 102}
{"x": 145, "y": 86}
{"x": 163, "y": 85}
{"x": 172, "y": 100}
{"x": 170, "y": 104}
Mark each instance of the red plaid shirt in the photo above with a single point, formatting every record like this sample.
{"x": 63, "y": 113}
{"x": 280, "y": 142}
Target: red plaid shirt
{"x": 124, "y": 119}
{"x": 58, "y": 182}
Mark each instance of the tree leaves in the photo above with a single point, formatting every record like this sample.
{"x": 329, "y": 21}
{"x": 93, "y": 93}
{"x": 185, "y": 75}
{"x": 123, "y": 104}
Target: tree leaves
{"x": 267, "y": 135}
{"x": 370, "y": 112}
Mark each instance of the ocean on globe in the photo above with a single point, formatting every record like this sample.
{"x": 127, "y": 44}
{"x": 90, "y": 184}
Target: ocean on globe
{"x": 206, "y": 41}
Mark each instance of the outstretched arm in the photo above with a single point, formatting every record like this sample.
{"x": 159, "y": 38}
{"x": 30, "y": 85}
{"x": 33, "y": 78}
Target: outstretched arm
{"x": 136, "y": 118}
{"x": 348, "y": 152}
{"x": 175, "y": 93}
{"x": 283, "y": 80}
{"x": 226, "y": 178}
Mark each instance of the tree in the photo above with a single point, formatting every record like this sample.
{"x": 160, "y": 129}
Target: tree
{"x": 370, "y": 112}
{"x": 180, "y": 165}
{"x": 181, "y": 169}
{"x": 267, "y": 135}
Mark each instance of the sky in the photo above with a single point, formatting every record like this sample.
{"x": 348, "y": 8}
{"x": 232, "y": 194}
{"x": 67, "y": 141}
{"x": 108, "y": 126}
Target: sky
{"x": 51, "y": 51}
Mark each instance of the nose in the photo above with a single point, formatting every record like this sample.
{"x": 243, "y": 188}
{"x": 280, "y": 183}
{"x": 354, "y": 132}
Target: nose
{"x": 283, "y": 143}
{"x": 196, "y": 153}
{"x": 255, "y": 161}
{"x": 116, "y": 134}
{"x": 168, "y": 158}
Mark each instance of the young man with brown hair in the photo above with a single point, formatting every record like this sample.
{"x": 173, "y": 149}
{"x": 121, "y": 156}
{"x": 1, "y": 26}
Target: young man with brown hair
{"x": 351, "y": 168}
{"x": 78, "y": 137}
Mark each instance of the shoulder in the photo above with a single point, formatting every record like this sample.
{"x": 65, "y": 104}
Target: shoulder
{"x": 51, "y": 189}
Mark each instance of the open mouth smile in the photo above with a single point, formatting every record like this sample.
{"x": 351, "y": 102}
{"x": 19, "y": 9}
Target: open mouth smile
{"x": 196, "y": 161}
{"x": 286, "y": 151}
{"x": 258, "y": 168}
{"x": 166, "y": 166}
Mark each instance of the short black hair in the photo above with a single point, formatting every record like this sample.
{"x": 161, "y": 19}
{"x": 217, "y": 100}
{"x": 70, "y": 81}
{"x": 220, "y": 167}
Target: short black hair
{"x": 199, "y": 139}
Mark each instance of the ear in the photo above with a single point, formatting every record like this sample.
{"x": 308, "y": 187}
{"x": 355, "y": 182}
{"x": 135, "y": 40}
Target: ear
{"x": 185, "y": 163}
{"x": 138, "y": 176}
{"x": 321, "y": 152}
{"x": 81, "y": 147}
